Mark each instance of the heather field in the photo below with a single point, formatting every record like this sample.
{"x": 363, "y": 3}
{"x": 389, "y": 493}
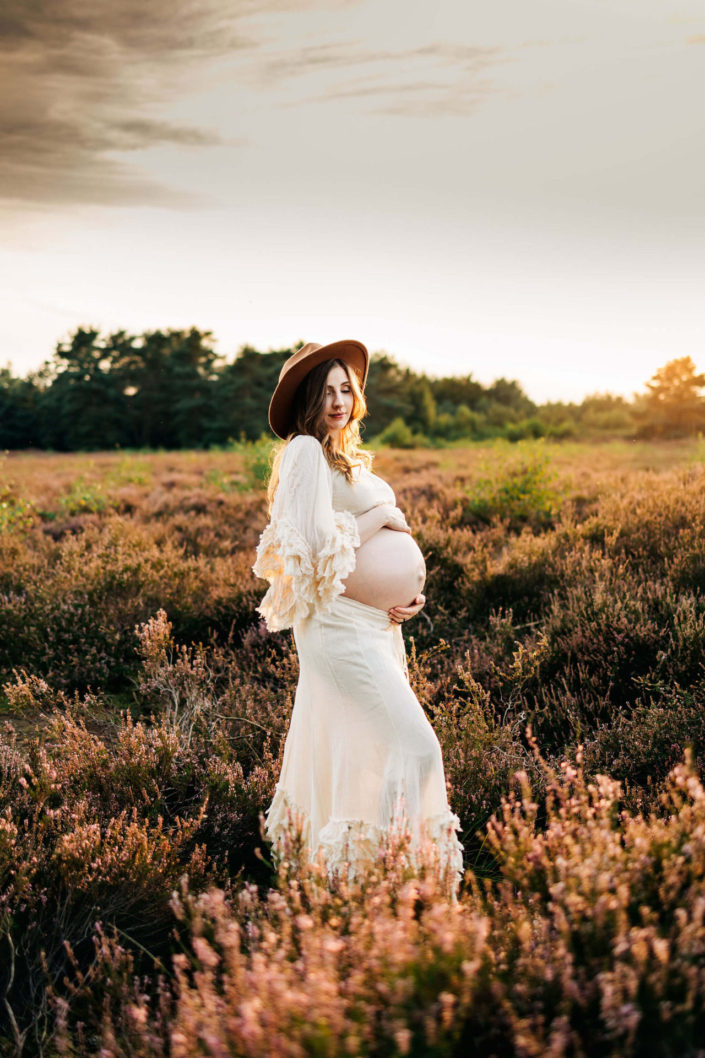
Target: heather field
{"x": 143, "y": 710}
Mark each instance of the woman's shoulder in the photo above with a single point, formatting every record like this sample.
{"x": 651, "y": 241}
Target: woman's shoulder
{"x": 304, "y": 440}
{"x": 304, "y": 452}
{"x": 304, "y": 445}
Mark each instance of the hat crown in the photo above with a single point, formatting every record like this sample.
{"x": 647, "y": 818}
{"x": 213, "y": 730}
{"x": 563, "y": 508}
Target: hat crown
{"x": 299, "y": 355}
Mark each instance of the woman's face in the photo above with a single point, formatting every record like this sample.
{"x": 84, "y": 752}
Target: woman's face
{"x": 338, "y": 402}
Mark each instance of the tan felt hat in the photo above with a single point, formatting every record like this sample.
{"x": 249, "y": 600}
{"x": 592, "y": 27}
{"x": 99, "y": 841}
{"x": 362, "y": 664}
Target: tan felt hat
{"x": 294, "y": 371}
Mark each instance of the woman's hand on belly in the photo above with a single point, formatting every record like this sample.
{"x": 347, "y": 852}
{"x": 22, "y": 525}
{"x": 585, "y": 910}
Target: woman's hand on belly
{"x": 395, "y": 519}
{"x": 399, "y": 614}
{"x": 384, "y": 515}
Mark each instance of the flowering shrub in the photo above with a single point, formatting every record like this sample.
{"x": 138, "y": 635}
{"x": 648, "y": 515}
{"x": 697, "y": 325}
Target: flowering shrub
{"x": 100, "y": 830}
{"x": 373, "y": 966}
{"x": 128, "y": 638}
{"x": 600, "y": 919}
{"x": 69, "y": 610}
{"x": 68, "y": 859}
{"x": 589, "y": 943}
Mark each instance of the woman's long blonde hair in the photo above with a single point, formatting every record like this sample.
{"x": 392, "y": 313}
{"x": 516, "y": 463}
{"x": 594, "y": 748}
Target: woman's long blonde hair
{"x": 309, "y": 402}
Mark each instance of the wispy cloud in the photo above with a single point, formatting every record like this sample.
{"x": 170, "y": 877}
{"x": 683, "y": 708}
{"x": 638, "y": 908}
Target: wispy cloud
{"x": 431, "y": 80}
{"x": 79, "y": 82}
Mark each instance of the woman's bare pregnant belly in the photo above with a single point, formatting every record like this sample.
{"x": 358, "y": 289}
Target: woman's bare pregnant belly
{"x": 389, "y": 570}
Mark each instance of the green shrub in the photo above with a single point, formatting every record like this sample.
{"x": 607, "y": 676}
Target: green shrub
{"x": 256, "y": 463}
{"x": 83, "y": 498}
{"x": 15, "y": 513}
{"x": 562, "y": 430}
{"x": 399, "y": 435}
{"x": 519, "y": 490}
{"x": 525, "y": 429}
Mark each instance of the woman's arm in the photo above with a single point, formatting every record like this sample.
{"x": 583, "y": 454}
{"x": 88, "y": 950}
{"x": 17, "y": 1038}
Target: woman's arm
{"x": 308, "y": 549}
{"x": 372, "y": 520}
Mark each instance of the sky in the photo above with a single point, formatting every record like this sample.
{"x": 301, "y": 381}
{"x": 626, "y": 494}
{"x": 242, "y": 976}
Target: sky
{"x": 509, "y": 189}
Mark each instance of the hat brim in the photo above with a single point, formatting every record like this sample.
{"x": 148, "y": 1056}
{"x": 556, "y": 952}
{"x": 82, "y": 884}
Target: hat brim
{"x": 351, "y": 352}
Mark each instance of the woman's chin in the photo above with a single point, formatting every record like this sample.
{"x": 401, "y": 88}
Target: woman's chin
{"x": 334, "y": 432}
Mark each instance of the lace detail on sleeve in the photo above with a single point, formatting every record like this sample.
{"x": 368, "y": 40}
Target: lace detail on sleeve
{"x": 298, "y": 585}
{"x": 307, "y": 550}
{"x": 284, "y": 559}
{"x": 337, "y": 559}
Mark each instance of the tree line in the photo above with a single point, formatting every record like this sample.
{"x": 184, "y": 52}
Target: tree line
{"x": 170, "y": 389}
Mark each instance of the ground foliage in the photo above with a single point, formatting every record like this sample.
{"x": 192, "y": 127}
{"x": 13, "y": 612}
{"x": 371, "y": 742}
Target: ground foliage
{"x": 560, "y": 660}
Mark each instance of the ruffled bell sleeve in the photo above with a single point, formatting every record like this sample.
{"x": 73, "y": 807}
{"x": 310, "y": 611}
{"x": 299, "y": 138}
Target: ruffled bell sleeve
{"x": 308, "y": 549}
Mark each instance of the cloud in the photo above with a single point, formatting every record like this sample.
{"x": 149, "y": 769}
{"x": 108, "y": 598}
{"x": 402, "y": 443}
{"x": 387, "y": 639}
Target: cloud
{"x": 162, "y": 28}
{"x": 316, "y": 57}
{"x": 83, "y": 83}
{"x": 437, "y": 79}
{"x": 81, "y": 80}
{"x": 47, "y": 158}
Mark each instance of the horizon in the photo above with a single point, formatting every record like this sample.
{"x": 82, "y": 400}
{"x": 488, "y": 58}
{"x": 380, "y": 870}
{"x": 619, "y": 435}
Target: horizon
{"x": 383, "y": 352}
{"x": 430, "y": 374}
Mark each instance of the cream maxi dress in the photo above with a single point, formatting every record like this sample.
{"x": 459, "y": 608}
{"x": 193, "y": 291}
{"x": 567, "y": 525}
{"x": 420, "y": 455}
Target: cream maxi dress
{"x": 360, "y": 755}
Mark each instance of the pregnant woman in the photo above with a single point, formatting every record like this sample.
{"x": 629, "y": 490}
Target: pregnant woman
{"x": 344, "y": 572}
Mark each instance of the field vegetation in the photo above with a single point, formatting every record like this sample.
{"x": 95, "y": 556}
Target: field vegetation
{"x": 144, "y": 708}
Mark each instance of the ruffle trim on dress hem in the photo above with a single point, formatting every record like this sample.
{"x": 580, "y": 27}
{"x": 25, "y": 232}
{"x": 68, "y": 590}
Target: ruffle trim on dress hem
{"x": 347, "y": 845}
{"x": 298, "y": 585}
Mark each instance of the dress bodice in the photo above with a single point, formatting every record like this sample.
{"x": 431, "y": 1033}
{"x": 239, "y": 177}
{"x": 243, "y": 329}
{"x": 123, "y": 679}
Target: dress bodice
{"x": 366, "y": 491}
